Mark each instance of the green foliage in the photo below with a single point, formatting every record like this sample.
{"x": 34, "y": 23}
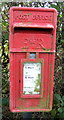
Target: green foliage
{"x": 5, "y": 101}
{"x": 58, "y": 109}
{"x": 37, "y": 85}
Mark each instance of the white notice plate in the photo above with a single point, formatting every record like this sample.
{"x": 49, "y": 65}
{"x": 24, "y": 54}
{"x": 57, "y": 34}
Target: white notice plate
{"x": 31, "y": 78}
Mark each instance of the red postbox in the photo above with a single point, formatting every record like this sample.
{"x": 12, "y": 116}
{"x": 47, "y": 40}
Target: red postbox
{"x": 32, "y": 53}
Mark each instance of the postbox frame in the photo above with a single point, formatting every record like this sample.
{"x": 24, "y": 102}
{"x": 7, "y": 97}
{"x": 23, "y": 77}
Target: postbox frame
{"x": 50, "y": 53}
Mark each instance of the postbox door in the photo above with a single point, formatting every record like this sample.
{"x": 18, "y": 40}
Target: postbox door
{"x": 41, "y": 95}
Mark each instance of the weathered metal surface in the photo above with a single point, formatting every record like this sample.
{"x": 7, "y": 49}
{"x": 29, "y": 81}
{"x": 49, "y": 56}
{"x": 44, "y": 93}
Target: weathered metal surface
{"x": 32, "y": 49}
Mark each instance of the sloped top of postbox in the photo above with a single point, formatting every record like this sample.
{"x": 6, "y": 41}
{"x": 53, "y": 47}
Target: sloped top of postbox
{"x": 33, "y": 17}
{"x": 33, "y": 29}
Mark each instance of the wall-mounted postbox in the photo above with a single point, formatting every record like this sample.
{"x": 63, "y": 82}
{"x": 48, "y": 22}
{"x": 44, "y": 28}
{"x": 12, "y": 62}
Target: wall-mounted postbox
{"x": 32, "y": 53}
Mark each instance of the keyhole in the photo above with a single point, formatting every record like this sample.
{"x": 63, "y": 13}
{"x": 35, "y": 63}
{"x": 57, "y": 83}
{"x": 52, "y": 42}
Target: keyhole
{"x": 32, "y": 55}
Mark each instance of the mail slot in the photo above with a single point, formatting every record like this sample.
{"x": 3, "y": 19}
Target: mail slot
{"x": 32, "y": 52}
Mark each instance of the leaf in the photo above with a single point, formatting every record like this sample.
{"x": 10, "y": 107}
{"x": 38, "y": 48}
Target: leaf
{"x": 58, "y": 97}
{"x": 61, "y": 115}
{"x": 60, "y": 109}
{"x": 62, "y": 103}
{"x": 5, "y": 101}
{"x": 63, "y": 98}
{"x": 53, "y": 112}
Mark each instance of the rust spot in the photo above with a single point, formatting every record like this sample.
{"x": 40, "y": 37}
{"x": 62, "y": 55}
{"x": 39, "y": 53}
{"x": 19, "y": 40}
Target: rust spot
{"x": 48, "y": 100}
{"x": 29, "y": 22}
{"x": 20, "y": 107}
{"x": 42, "y": 103}
{"x": 24, "y": 47}
{"x": 47, "y": 49}
{"x": 50, "y": 72}
{"x": 29, "y": 13}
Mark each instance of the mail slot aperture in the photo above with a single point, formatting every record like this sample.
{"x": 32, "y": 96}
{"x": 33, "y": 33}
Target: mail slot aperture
{"x": 34, "y": 39}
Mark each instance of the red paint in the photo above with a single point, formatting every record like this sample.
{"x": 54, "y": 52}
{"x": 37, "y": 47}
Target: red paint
{"x": 32, "y": 30}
